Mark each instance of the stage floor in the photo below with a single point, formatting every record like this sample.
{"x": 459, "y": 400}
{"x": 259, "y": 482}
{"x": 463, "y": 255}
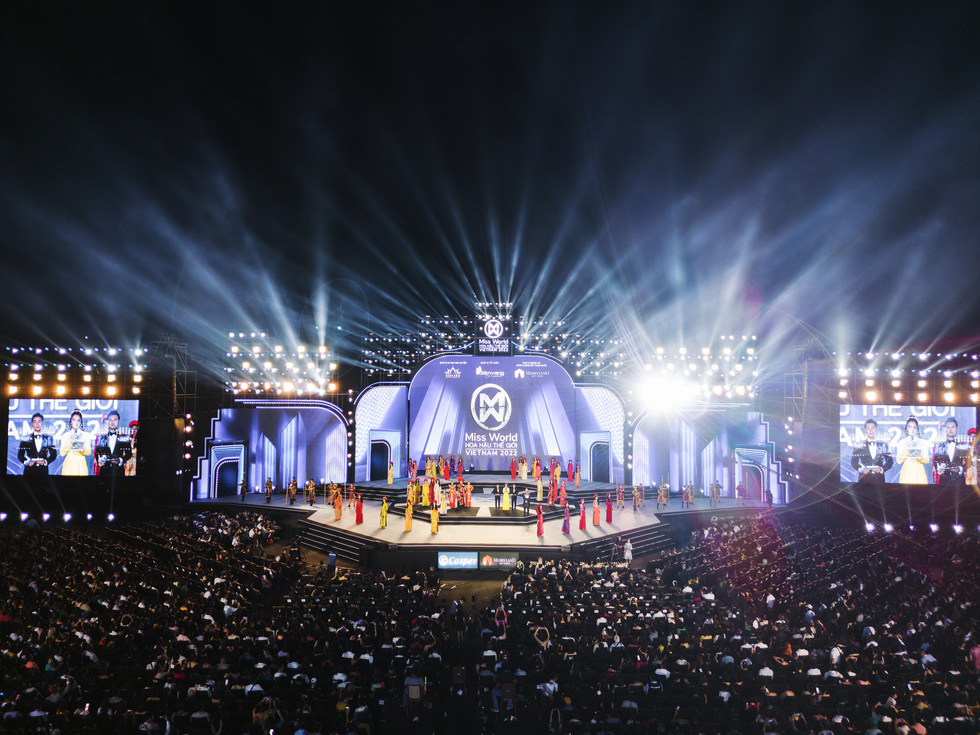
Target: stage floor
{"x": 483, "y": 530}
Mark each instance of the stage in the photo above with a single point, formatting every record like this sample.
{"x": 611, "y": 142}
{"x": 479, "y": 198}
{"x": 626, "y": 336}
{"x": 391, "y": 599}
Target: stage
{"x": 482, "y": 527}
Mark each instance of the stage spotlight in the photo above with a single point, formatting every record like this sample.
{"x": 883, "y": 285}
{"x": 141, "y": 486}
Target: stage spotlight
{"x": 869, "y": 527}
{"x": 66, "y": 517}
{"x": 111, "y": 517}
{"x": 88, "y": 516}
{"x": 934, "y": 527}
{"x": 662, "y": 392}
{"x": 3, "y": 517}
{"x": 889, "y": 528}
{"x": 958, "y": 528}
{"x": 911, "y": 526}
{"x": 46, "y": 517}
{"x": 24, "y": 516}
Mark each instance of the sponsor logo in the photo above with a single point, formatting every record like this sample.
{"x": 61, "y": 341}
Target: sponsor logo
{"x": 453, "y": 373}
{"x": 518, "y": 373}
{"x": 489, "y": 373}
{"x": 493, "y": 329}
{"x": 490, "y": 407}
{"x": 459, "y": 560}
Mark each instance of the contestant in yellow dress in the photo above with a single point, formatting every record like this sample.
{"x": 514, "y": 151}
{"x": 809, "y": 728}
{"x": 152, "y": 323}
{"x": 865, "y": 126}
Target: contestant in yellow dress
{"x": 434, "y": 519}
{"x": 912, "y": 455}
{"x": 506, "y": 501}
{"x": 408, "y": 516}
{"x": 75, "y": 447}
{"x": 384, "y": 512}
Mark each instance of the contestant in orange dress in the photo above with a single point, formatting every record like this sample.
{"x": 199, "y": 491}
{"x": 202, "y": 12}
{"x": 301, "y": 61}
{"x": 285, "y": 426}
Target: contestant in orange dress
{"x": 595, "y": 510}
{"x": 338, "y": 507}
{"x": 578, "y": 476}
{"x": 581, "y": 520}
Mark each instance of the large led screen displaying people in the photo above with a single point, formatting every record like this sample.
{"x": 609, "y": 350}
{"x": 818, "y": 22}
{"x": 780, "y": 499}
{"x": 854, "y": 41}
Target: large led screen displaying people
{"x": 725, "y": 445}
{"x": 907, "y": 445}
{"x": 72, "y": 437}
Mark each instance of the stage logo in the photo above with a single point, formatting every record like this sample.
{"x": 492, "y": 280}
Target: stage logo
{"x": 493, "y": 329}
{"x": 519, "y": 373}
{"x": 453, "y": 373}
{"x": 490, "y": 407}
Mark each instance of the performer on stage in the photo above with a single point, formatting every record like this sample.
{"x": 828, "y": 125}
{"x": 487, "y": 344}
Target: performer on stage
{"x": 391, "y": 473}
{"x": 527, "y": 501}
{"x": 581, "y": 520}
{"x": 536, "y": 473}
{"x": 384, "y": 512}
{"x": 620, "y": 498}
{"x": 434, "y": 519}
{"x": 243, "y": 488}
{"x": 566, "y": 522}
{"x": 513, "y": 469}
{"x": 408, "y": 516}
{"x": 506, "y": 505}
{"x": 291, "y": 489}
{"x": 268, "y": 490}
{"x": 469, "y": 495}
{"x": 595, "y": 510}
{"x": 540, "y": 521}
{"x": 578, "y": 476}
{"x": 571, "y": 471}
{"x": 459, "y": 471}
{"x": 445, "y": 470}
{"x": 338, "y": 508}
{"x": 608, "y": 508}
{"x": 740, "y": 498}
{"x": 540, "y": 488}
{"x": 662, "y": 497}
{"x": 564, "y": 494}
{"x": 552, "y": 491}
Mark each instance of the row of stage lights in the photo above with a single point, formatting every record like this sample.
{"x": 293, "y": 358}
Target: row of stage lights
{"x": 45, "y": 517}
{"x": 873, "y": 393}
{"x": 870, "y": 527}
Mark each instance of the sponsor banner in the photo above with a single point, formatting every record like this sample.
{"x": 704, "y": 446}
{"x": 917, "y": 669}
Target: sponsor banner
{"x": 498, "y": 559}
{"x": 458, "y": 560}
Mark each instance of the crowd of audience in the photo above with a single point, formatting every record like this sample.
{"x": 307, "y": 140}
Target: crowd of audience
{"x": 755, "y": 626}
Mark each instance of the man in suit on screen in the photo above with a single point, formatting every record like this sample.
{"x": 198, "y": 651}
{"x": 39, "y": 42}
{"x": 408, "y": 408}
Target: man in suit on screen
{"x": 871, "y": 457}
{"x": 37, "y": 450}
{"x": 112, "y": 450}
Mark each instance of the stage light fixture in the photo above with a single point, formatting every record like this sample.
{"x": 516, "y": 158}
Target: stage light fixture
{"x": 949, "y": 396}
{"x": 923, "y": 397}
{"x": 3, "y": 517}
{"x": 957, "y": 528}
{"x": 46, "y": 517}
{"x": 24, "y": 516}
{"x": 111, "y": 517}
{"x": 66, "y": 517}
{"x": 869, "y": 527}
{"x": 934, "y": 527}
{"x": 88, "y": 516}
{"x": 889, "y": 528}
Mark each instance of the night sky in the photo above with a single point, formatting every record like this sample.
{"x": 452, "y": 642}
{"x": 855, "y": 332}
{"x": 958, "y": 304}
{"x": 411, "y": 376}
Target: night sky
{"x": 663, "y": 171}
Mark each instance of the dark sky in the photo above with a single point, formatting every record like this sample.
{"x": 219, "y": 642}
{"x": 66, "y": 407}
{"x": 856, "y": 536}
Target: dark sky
{"x": 668, "y": 171}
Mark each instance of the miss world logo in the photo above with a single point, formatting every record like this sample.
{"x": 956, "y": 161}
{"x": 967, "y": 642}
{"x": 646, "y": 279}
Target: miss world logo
{"x": 490, "y": 407}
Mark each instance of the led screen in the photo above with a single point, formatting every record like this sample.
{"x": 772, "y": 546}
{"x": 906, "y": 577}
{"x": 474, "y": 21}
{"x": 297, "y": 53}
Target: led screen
{"x": 71, "y": 436}
{"x": 724, "y": 445}
{"x": 491, "y": 410}
{"x": 908, "y": 445}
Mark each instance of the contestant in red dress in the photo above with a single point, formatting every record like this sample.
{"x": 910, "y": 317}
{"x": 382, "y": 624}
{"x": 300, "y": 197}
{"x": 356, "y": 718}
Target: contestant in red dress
{"x": 540, "y": 521}
{"x": 445, "y": 470}
{"x": 513, "y": 469}
{"x": 581, "y": 520}
{"x": 571, "y": 470}
{"x": 608, "y": 508}
{"x": 359, "y": 511}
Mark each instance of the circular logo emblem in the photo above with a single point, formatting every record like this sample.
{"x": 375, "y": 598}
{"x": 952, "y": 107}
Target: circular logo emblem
{"x": 490, "y": 407}
{"x": 493, "y": 329}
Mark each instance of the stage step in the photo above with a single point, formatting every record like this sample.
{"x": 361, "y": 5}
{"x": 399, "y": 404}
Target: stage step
{"x": 646, "y": 540}
{"x": 326, "y": 539}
